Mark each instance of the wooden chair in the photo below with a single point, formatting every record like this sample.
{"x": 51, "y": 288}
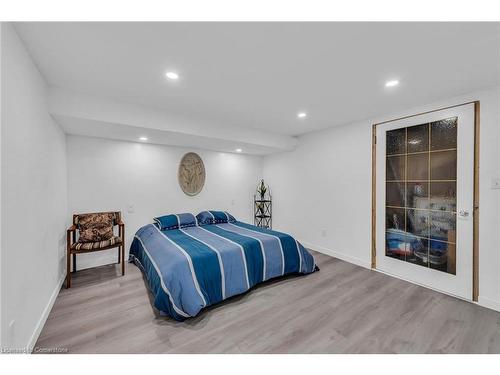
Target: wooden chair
{"x": 73, "y": 247}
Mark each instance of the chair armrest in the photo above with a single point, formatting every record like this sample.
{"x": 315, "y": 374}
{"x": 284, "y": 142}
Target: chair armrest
{"x": 70, "y": 233}
{"x": 121, "y": 230}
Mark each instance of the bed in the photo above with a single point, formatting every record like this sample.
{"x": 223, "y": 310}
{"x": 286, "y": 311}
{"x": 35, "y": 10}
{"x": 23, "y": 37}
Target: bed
{"x": 191, "y": 262}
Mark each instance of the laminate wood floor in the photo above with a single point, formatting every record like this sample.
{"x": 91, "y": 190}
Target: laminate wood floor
{"x": 341, "y": 309}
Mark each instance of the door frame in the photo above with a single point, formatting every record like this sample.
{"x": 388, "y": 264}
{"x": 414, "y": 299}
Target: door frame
{"x": 475, "y": 212}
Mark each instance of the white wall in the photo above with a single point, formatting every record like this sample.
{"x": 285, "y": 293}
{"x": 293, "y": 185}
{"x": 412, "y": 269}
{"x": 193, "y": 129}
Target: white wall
{"x": 110, "y": 175}
{"x": 325, "y": 185}
{"x": 34, "y": 212}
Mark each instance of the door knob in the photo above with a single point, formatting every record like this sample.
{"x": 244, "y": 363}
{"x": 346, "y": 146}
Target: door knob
{"x": 463, "y": 213}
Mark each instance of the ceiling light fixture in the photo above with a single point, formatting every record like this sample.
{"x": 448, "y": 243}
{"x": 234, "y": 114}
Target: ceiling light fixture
{"x": 239, "y": 150}
{"x": 172, "y": 75}
{"x": 301, "y": 115}
{"x": 143, "y": 139}
{"x": 392, "y": 83}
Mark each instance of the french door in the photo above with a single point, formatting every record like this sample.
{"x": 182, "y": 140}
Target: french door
{"x": 424, "y": 199}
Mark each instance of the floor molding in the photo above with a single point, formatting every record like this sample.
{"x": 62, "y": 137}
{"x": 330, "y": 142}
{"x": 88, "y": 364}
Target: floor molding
{"x": 45, "y": 314}
{"x": 336, "y": 254}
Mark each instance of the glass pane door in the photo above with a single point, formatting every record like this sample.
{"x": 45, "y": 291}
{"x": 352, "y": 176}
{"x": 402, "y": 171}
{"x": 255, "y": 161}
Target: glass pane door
{"x": 420, "y": 200}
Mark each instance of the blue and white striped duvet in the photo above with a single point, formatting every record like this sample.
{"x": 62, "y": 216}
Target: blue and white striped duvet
{"x": 191, "y": 268}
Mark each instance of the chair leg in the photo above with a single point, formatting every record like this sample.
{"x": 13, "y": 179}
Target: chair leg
{"x": 74, "y": 262}
{"x": 119, "y": 257}
{"x": 123, "y": 259}
{"x": 68, "y": 270}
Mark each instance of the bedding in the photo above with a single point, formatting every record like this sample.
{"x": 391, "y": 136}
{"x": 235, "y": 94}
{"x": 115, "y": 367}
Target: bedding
{"x": 214, "y": 217}
{"x": 175, "y": 221}
{"x": 188, "y": 269}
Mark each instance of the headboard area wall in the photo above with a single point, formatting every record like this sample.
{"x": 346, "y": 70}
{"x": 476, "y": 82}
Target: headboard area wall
{"x": 141, "y": 180}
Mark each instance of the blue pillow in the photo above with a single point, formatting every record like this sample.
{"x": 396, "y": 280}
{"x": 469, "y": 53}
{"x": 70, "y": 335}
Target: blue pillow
{"x": 205, "y": 217}
{"x": 214, "y": 217}
{"x": 230, "y": 218}
{"x": 175, "y": 221}
{"x": 187, "y": 220}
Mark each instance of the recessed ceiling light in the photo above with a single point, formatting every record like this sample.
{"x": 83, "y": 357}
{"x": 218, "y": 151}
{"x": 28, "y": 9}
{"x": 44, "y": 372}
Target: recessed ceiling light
{"x": 392, "y": 83}
{"x": 172, "y": 75}
{"x": 239, "y": 150}
{"x": 301, "y": 115}
{"x": 144, "y": 139}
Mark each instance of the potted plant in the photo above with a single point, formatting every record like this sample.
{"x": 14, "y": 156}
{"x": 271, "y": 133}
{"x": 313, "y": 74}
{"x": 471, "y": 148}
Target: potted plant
{"x": 262, "y": 190}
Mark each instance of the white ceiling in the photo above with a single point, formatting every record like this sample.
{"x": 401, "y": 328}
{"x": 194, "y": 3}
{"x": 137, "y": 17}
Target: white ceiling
{"x": 259, "y": 75}
{"x": 91, "y": 115}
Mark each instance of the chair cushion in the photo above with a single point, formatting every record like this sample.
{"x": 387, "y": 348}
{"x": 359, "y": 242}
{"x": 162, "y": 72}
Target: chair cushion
{"x": 89, "y": 246}
{"x": 95, "y": 227}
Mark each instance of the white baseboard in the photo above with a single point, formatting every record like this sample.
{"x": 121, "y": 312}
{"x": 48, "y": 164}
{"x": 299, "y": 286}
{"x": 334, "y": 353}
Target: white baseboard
{"x": 336, "y": 254}
{"x": 45, "y": 314}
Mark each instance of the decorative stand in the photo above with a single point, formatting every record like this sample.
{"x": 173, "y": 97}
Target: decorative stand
{"x": 263, "y": 209}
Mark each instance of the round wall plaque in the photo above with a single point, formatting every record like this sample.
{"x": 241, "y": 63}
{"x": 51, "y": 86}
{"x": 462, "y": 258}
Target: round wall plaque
{"x": 191, "y": 174}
